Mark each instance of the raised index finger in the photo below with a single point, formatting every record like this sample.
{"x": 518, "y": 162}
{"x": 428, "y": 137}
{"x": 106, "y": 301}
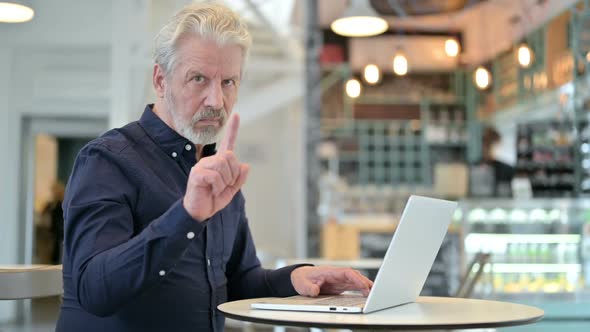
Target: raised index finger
{"x": 231, "y": 133}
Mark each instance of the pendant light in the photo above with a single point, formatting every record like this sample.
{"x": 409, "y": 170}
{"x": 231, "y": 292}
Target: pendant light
{"x": 372, "y": 74}
{"x": 353, "y": 88}
{"x": 452, "y": 47}
{"x": 400, "y": 64}
{"x": 16, "y": 11}
{"x": 359, "y": 20}
{"x": 482, "y": 78}
{"x": 524, "y": 55}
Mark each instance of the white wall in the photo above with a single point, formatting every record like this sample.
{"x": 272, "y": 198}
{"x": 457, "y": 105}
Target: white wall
{"x": 55, "y": 65}
{"x": 8, "y": 179}
{"x": 272, "y": 146}
{"x": 68, "y": 22}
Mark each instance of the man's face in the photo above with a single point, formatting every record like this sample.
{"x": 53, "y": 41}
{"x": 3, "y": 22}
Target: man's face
{"x": 202, "y": 88}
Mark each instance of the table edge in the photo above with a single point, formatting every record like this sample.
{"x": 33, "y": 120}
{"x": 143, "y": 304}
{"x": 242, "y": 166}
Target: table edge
{"x": 35, "y": 269}
{"x": 380, "y": 326}
{"x": 32, "y": 283}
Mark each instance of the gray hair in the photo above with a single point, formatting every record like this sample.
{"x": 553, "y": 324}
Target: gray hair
{"x": 209, "y": 20}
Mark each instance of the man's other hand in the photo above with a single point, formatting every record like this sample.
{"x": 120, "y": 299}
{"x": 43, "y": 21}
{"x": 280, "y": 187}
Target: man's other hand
{"x": 315, "y": 280}
{"x": 215, "y": 180}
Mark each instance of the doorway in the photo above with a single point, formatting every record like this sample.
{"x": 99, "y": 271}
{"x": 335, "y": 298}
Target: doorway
{"x": 54, "y": 160}
{"x": 49, "y": 149}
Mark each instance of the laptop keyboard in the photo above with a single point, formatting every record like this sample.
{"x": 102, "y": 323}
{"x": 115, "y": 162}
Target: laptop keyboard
{"x": 342, "y": 301}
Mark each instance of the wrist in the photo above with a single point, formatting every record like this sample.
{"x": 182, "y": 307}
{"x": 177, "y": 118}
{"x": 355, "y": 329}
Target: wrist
{"x": 196, "y": 217}
{"x": 299, "y": 271}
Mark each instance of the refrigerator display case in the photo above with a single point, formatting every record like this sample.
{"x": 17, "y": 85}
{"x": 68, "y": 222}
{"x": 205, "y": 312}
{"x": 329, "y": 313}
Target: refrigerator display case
{"x": 539, "y": 254}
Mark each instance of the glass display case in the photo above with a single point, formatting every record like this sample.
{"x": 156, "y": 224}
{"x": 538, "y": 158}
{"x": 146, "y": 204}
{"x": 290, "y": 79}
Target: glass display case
{"x": 539, "y": 253}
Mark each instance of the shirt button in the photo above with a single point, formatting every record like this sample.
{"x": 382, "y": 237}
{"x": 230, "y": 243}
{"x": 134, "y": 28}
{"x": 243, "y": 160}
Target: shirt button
{"x": 188, "y": 147}
{"x": 162, "y": 273}
{"x": 190, "y": 235}
{"x": 174, "y": 154}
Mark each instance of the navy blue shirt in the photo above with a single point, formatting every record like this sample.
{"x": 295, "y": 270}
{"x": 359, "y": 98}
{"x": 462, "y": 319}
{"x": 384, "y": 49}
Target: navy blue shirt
{"x": 134, "y": 259}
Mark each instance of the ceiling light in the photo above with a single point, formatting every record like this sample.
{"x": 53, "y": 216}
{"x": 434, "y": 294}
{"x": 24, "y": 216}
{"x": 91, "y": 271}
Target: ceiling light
{"x": 482, "y": 78}
{"x": 400, "y": 64}
{"x": 359, "y": 20}
{"x": 525, "y": 55}
{"x": 15, "y": 11}
{"x": 452, "y": 47}
{"x": 353, "y": 88}
{"x": 372, "y": 74}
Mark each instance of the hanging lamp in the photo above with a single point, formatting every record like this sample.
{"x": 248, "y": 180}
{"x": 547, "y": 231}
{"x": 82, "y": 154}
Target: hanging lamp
{"x": 353, "y": 88}
{"x": 482, "y": 78}
{"x": 16, "y": 11}
{"x": 359, "y": 20}
{"x": 524, "y": 55}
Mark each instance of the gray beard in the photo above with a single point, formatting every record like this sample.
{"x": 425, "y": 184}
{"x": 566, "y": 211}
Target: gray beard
{"x": 205, "y": 135}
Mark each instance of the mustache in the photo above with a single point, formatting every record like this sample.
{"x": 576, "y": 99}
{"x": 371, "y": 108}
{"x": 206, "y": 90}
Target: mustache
{"x": 210, "y": 113}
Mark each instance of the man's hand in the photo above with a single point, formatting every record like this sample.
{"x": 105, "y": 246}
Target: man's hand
{"x": 315, "y": 280}
{"x": 215, "y": 180}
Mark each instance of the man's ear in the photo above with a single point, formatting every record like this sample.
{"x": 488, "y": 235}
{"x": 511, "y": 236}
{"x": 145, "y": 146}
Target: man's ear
{"x": 159, "y": 80}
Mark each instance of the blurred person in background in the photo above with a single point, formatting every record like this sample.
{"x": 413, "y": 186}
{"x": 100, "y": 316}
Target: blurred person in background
{"x": 156, "y": 235}
{"x": 54, "y": 213}
{"x": 491, "y": 177}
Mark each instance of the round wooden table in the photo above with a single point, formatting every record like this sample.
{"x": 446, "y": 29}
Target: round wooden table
{"x": 425, "y": 313}
{"x": 30, "y": 281}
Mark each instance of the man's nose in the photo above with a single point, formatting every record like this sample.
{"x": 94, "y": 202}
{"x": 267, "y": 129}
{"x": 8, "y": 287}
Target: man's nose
{"x": 214, "y": 96}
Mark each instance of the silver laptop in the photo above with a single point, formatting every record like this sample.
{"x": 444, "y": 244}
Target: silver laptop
{"x": 400, "y": 278}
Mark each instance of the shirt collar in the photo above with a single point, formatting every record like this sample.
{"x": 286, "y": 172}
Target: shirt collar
{"x": 169, "y": 140}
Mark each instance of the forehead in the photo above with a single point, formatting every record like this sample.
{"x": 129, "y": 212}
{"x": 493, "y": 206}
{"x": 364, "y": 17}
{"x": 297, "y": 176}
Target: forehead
{"x": 208, "y": 57}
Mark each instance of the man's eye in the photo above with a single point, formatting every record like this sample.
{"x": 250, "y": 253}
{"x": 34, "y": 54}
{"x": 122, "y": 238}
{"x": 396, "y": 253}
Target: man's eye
{"x": 199, "y": 79}
{"x": 229, "y": 82}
